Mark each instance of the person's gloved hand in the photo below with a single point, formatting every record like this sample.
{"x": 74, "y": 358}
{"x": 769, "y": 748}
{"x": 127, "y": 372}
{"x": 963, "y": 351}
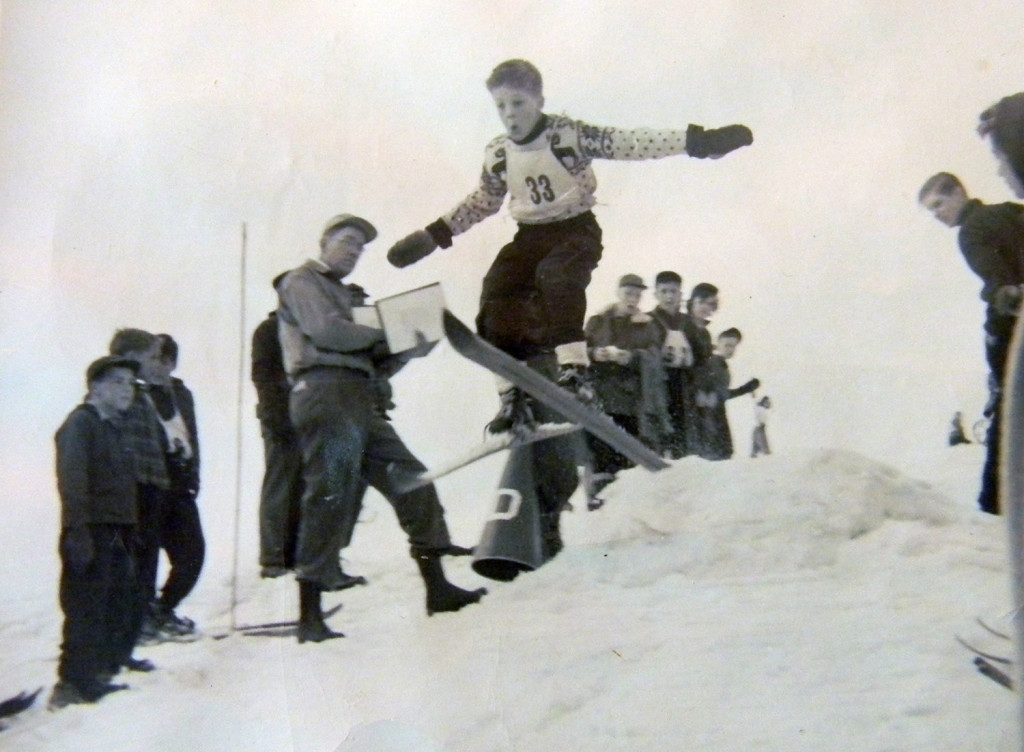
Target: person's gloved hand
{"x": 701, "y": 143}
{"x": 618, "y": 355}
{"x": 1008, "y": 299}
{"x": 411, "y": 248}
{"x": 76, "y": 548}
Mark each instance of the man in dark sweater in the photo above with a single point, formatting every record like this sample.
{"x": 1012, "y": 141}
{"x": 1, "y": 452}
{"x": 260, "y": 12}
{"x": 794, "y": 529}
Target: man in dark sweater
{"x": 281, "y": 492}
{"x": 991, "y": 239}
{"x": 96, "y": 481}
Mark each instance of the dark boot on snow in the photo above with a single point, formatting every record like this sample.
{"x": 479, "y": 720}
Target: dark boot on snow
{"x": 443, "y": 596}
{"x": 311, "y": 626}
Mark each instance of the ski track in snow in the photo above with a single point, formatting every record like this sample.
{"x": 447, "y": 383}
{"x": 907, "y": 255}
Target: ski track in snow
{"x": 806, "y": 602}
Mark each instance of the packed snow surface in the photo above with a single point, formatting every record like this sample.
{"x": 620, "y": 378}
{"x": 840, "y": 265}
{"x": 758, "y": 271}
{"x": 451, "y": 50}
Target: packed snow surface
{"x": 803, "y": 602}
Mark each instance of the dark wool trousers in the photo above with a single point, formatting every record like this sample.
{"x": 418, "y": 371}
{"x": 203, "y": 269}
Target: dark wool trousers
{"x": 280, "y": 498}
{"x": 100, "y": 608}
{"x": 998, "y": 331}
{"x": 181, "y": 537}
{"x": 147, "y": 540}
{"x": 346, "y": 443}
{"x": 534, "y": 295}
{"x": 606, "y": 458}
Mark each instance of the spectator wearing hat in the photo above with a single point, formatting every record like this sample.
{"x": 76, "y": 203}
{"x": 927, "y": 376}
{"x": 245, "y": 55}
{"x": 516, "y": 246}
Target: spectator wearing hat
{"x": 668, "y": 317}
{"x": 97, "y": 485}
{"x": 334, "y": 366}
{"x": 624, "y": 345}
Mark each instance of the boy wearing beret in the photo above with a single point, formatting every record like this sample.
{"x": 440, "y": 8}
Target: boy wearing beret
{"x": 96, "y": 481}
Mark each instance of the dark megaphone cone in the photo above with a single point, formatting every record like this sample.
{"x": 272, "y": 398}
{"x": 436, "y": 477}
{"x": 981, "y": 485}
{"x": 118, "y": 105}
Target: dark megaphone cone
{"x": 511, "y": 540}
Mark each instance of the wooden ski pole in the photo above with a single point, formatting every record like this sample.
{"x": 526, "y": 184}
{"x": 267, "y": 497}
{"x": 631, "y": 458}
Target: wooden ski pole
{"x": 238, "y": 428}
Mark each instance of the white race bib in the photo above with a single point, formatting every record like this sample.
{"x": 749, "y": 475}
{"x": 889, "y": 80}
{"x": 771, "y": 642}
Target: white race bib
{"x": 539, "y": 186}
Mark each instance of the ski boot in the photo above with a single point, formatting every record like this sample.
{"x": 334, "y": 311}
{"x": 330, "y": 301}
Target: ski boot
{"x": 515, "y": 414}
{"x": 573, "y": 377}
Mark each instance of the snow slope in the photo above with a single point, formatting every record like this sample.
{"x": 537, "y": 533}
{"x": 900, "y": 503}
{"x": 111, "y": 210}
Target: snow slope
{"x": 802, "y": 602}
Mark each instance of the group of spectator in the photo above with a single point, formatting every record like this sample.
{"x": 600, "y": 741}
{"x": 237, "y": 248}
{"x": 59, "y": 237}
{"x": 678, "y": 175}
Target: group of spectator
{"x": 128, "y": 477}
{"x": 661, "y": 377}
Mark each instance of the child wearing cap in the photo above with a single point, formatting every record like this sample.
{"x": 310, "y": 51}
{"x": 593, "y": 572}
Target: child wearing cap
{"x": 534, "y": 295}
{"x": 98, "y": 591}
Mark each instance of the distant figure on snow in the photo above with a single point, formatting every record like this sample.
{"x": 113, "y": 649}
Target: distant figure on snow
{"x": 759, "y": 437}
{"x": 956, "y": 430}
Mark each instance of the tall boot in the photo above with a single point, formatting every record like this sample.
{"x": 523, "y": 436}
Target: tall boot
{"x": 311, "y": 626}
{"x": 442, "y": 595}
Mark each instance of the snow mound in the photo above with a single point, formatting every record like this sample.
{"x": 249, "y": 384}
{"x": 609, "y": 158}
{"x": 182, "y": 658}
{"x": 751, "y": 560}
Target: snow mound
{"x": 774, "y": 514}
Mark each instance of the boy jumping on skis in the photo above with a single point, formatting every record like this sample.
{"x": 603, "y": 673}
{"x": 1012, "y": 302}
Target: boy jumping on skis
{"x": 534, "y": 295}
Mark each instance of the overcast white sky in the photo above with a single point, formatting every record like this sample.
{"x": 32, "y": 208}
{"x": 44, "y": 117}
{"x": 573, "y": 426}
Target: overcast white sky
{"x": 135, "y": 140}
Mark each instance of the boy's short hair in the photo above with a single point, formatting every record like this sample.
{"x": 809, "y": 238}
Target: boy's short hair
{"x": 168, "y": 348}
{"x": 703, "y": 290}
{"x": 942, "y": 183}
{"x": 667, "y": 277}
{"x": 130, "y": 341}
{"x": 516, "y": 74}
{"x": 732, "y": 332}
{"x": 1004, "y": 123}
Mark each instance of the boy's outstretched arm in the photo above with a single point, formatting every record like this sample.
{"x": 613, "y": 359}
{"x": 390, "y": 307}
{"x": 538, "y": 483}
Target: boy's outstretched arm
{"x": 483, "y": 202}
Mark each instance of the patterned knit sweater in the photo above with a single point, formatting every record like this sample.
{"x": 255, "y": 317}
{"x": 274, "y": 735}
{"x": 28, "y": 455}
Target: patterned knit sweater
{"x": 549, "y": 177}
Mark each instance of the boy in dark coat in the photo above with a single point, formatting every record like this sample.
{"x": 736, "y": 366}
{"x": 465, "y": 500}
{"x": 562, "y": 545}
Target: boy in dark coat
{"x": 713, "y": 392}
{"x": 98, "y": 591}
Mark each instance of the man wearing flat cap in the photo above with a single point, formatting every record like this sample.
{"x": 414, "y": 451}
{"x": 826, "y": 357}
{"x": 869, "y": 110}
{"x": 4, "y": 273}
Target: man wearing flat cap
{"x": 624, "y": 345}
{"x": 334, "y": 366}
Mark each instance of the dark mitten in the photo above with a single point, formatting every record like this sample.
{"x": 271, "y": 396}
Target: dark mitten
{"x": 702, "y": 143}
{"x": 76, "y": 548}
{"x": 1007, "y": 300}
{"x": 411, "y": 249}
